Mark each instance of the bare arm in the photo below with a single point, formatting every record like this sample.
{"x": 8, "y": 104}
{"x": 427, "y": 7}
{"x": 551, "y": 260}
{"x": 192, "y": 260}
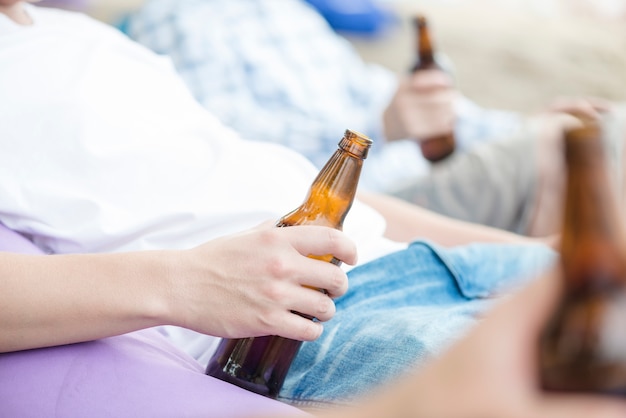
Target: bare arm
{"x": 248, "y": 284}
{"x": 406, "y": 222}
{"x": 52, "y": 300}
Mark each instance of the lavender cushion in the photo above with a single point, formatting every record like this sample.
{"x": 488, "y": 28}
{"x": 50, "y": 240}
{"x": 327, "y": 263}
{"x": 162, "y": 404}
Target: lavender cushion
{"x": 14, "y": 242}
{"x": 133, "y": 375}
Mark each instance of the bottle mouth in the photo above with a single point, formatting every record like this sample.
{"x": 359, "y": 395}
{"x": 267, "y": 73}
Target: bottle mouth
{"x": 583, "y": 140}
{"x": 419, "y": 20}
{"x": 355, "y": 143}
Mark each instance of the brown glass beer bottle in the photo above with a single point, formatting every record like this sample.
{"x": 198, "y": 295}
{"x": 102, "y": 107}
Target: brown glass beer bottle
{"x": 438, "y": 147}
{"x": 583, "y": 346}
{"x": 260, "y": 364}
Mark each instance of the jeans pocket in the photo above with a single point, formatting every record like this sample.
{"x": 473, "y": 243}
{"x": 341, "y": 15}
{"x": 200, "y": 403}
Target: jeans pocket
{"x": 483, "y": 270}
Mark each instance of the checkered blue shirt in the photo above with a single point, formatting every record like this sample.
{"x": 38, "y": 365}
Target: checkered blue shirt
{"x": 275, "y": 71}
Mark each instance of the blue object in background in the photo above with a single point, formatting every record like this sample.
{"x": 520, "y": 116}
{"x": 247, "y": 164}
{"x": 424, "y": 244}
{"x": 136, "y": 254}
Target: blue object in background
{"x": 366, "y": 17}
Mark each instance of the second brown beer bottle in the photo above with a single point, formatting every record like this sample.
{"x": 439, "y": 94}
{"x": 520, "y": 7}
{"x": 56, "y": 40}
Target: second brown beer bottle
{"x": 435, "y": 148}
{"x": 260, "y": 364}
{"x": 583, "y": 347}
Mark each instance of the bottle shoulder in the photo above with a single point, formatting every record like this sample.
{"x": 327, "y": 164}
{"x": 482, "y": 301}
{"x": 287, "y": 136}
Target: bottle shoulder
{"x": 302, "y": 216}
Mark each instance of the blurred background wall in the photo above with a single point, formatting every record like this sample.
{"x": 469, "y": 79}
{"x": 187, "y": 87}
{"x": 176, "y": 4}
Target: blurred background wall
{"x": 518, "y": 54}
{"x": 515, "y": 54}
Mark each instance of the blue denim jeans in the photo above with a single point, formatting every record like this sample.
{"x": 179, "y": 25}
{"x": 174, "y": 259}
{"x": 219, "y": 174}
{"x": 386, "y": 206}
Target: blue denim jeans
{"x": 402, "y": 310}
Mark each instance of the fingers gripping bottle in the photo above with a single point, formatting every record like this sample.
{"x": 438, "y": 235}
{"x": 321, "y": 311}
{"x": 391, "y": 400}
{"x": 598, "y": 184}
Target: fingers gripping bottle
{"x": 434, "y": 148}
{"x": 583, "y": 347}
{"x": 260, "y": 364}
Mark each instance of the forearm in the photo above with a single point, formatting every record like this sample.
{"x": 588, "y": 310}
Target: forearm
{"x": 60, "y": 299}
{"x": 246, "y": 284}
{"x": 406, "y": 222}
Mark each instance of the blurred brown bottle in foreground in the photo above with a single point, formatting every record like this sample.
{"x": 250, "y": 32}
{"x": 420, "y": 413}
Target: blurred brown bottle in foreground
{"x": 438, "y": 147}
{"x": 260, "y": 364}
{"x": 583, "y": 347}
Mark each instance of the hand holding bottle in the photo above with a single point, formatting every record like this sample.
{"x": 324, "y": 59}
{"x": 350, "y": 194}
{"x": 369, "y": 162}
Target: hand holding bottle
{"x": 585, "y": 107}
{"x": 432, "y": 100}
{"x": 250, "y": 283}
{"x": 260, "y": 364}
{"x": 422, "y": 107}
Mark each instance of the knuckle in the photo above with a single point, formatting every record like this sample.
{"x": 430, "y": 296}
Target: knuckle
{"x": 326, "y": 309}
{"x": 269, "y": 237}
{"x": 278, "y": 267}
{"x": 274, "y": 292}
{"x": 339, "y": 244}
{"x": 266, "y": 321}
{"x": 323, "y": 304}
{"x": 311, "y": 331}
{"x": 339, "y": 282}
{"x": 334, "y": 238}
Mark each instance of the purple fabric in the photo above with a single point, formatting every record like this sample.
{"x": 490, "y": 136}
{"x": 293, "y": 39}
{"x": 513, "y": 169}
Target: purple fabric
{"x": 11, "y": 241}
{"x": 139, "y": 374}
{"x": 80, "y": 5}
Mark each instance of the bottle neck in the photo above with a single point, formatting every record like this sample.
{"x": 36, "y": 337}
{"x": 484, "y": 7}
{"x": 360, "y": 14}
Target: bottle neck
{"x": 334, "y": 189}
{"x": 331, "y": 195}
{"x": 425, "y": 48}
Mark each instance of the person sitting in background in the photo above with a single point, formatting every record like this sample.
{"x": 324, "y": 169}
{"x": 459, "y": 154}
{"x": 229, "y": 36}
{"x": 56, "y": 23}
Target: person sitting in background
{"x": 276, "y": 72}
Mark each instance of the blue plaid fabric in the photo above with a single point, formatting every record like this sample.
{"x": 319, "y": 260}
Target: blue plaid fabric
{"x": 276, "y": 71}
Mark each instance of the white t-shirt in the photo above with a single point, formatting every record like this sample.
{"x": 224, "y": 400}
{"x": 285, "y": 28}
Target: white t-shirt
{"x": 103, "y": 148}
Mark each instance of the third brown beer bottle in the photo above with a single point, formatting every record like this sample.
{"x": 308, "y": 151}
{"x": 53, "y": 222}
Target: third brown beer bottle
{"x": 438, "y": 147}
{"x": 260, "y": 364}
{"x": 583, "y": 347}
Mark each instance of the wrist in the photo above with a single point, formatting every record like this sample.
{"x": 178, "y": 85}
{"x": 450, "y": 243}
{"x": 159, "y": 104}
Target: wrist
{"x": 156, "y": 280}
